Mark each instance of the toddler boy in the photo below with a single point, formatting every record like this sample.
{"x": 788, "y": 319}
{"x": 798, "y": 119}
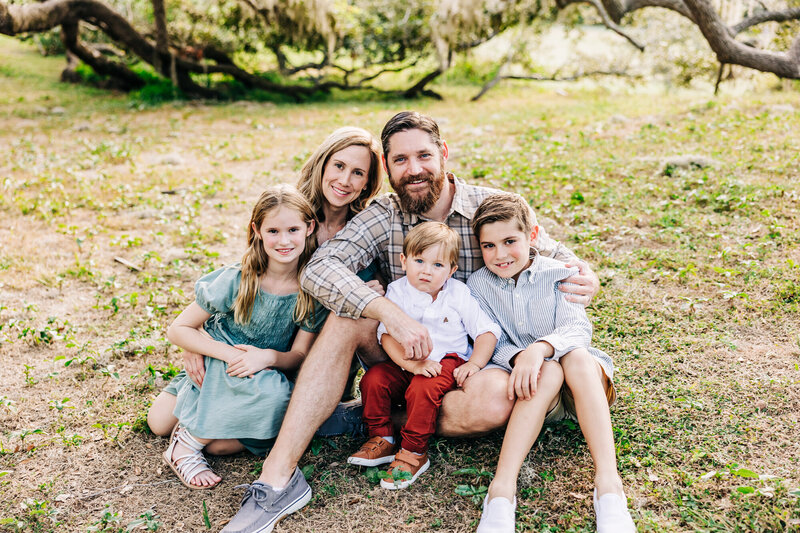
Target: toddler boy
{"x": 429, "y": 295}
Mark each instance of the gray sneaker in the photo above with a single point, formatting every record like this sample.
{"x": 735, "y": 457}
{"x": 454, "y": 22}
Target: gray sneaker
{"x": 262, "y": 507}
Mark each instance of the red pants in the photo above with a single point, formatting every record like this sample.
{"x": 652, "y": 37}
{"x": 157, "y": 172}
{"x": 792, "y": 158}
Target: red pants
{"x": 386, "y": 384}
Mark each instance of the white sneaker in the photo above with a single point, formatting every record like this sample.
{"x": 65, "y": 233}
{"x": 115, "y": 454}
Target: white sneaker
{"x": 497, "y": 516}
{"x": 612, "y": 514}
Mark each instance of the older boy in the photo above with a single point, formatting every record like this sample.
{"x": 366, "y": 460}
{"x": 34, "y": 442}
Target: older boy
{"x": 446, "y": 308}
{"x": 519, "y": 289}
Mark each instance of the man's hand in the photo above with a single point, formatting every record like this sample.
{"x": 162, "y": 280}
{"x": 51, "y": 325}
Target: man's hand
{"x": 195, "y": 365}
{"x": 464, "y": 371}
{"x": 412, "y": 336}
{"x": 251, "y": 360}
{"x": 525, "y": 375}
{"x": 376, "y": 286}
{"x": 580, "y": 287}
{"x": 427, "y": 368}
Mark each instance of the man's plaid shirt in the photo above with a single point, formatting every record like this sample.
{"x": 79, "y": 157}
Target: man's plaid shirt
{"x": 378, "y": 232}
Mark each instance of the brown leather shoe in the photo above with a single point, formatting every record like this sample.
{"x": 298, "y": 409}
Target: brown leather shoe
{"x": 376, "y": 451}
{"x": 410, "y": 463}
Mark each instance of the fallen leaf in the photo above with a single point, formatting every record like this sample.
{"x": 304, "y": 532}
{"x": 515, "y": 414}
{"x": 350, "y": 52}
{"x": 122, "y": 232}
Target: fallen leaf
{"x": 578, "y": 496}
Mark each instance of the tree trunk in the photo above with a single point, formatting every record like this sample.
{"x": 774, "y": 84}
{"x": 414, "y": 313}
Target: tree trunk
{"x": 162, "y": 47}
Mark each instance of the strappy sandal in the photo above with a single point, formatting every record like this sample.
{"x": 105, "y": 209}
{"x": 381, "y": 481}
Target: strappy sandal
{"x": 187, "y": 466}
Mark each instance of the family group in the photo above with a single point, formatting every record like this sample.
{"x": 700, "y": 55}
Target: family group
{"x": 457, "y": 305}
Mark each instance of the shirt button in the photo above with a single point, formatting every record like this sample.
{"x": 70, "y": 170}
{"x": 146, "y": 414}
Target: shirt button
{"x": 519, "y": 323}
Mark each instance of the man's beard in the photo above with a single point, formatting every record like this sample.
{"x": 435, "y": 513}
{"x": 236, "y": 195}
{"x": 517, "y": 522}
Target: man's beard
{"x": 416, "y": 204}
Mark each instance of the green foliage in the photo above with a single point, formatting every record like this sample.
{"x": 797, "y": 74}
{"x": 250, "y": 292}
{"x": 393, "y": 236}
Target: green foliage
{"x": 469, "y": 72}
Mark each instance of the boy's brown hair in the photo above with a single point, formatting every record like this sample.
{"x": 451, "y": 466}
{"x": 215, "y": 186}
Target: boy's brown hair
{"x": 428, "y": 234}
{"x": 502, "y": 208}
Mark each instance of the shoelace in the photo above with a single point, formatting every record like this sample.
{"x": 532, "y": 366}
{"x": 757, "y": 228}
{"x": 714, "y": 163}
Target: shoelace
{"x": 258, "y": 492}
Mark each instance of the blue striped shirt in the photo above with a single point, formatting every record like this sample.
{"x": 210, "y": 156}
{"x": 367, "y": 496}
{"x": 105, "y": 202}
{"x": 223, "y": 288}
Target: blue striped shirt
{"x": 532, "y": 309}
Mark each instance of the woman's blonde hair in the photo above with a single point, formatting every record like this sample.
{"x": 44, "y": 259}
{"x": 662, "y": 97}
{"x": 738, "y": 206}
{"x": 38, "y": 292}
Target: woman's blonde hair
{"x": 310, "y": 182}
{"x": 255, "y": 259}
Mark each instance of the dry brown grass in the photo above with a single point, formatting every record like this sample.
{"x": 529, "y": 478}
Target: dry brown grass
{"x": 699, "y": 306}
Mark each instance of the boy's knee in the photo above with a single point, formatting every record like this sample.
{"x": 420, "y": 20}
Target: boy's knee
{"x": 580, "y": 365}
{"x": 580, "y": 358}
{"x": 552, "y": 373}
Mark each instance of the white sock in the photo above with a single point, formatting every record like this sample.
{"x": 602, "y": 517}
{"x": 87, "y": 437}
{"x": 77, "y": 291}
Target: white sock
{"x": 390, "y": 440}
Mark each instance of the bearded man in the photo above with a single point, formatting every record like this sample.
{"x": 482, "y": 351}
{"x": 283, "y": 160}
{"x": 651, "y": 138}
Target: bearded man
{"x": 414, "y": 156}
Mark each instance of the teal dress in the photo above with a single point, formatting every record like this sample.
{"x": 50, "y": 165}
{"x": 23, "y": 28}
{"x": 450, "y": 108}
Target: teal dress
{"x": 226, "y": 407}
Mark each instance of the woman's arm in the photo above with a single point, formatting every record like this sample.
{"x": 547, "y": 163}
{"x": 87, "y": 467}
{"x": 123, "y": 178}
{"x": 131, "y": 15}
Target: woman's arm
{"x": 186, "y": 332}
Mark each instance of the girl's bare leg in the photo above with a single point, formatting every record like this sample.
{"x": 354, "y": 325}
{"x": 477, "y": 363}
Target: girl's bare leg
{"x": 160, "y": 417}
{"x": 224, "y": 447}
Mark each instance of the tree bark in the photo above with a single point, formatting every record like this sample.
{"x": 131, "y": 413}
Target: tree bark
{"x": 162, "y": 47}
{"x": 729, "y": 50}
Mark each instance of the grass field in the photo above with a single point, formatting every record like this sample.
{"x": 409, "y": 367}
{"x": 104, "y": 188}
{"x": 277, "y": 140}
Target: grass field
{"x": 700, "y": 268}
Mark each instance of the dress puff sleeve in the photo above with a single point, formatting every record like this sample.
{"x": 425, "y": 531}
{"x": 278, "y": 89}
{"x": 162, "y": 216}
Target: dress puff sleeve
{"x": 315, "y": 322}
{"x": 216, "y": 292}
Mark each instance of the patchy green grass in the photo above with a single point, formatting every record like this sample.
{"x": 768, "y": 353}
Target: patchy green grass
{"x": 701, "y": 286}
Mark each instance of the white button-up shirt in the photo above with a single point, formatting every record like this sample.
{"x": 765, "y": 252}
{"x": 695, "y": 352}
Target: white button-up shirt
{"x": 449, "y": 319}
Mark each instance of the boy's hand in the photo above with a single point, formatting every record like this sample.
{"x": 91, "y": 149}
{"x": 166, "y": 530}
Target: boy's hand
{"x": 464, "y": 371}
{"x": 428, "y": 368}
{"x": 376, "y": 286}
{"x": 525, "y": 375}
{"x": 252, "y": 360}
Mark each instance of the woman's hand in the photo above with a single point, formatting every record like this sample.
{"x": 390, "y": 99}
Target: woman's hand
{"x": 464, "y": 371}
{"x": 251, "y": 360}
{"x": 580, "y": 287}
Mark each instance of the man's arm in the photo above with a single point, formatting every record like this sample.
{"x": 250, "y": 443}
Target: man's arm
{"x": 581, "y": 287}
{"x": 330, "y": 276}
{"x": 412, "y": 336}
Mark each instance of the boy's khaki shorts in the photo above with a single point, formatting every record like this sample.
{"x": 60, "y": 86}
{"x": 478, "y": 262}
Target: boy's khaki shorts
{"x": 565, "y": 408}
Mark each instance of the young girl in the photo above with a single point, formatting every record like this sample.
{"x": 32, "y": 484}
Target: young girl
{"x": 253, "y": 324}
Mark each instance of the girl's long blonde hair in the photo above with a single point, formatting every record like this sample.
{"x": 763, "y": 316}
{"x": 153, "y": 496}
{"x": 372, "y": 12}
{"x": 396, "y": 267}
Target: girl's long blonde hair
{"x": 310, "y": 182}
{"x": 255, "y": 259}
